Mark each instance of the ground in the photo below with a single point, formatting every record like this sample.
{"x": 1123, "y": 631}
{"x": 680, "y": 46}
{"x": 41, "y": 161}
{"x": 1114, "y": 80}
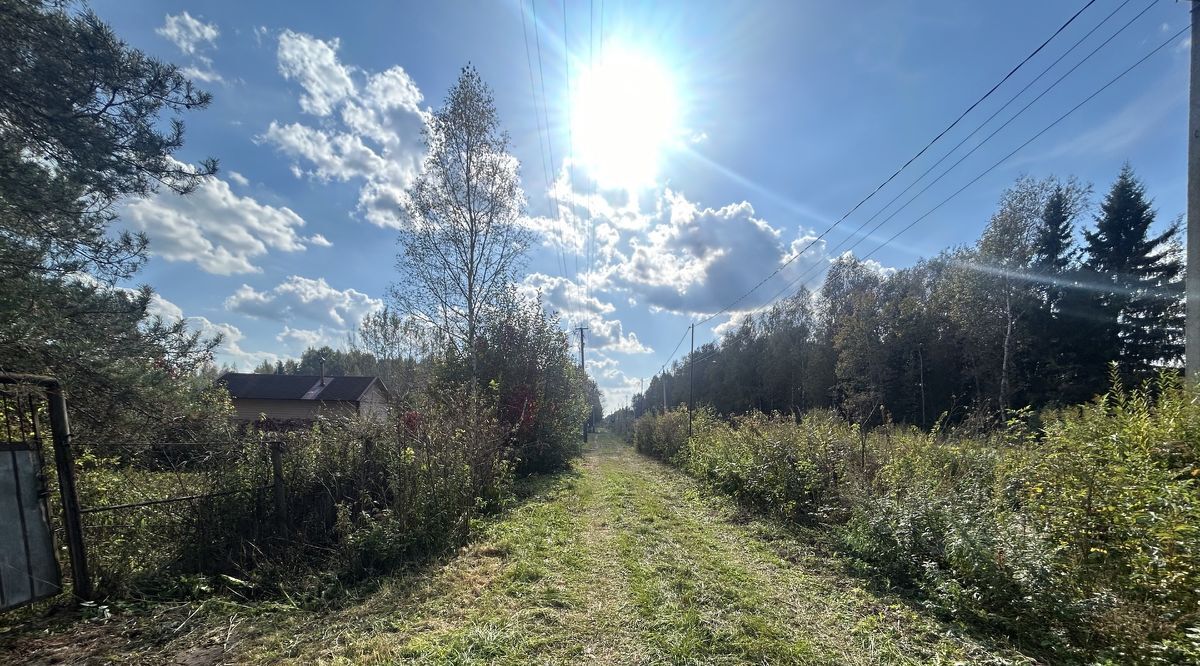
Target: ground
{"x": 621, "y": 561}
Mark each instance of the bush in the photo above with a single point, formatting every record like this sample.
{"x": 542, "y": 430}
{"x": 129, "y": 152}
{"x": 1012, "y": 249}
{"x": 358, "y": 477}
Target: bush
{"x": 1080, "y": 539}
{"x": 661, "y": 436}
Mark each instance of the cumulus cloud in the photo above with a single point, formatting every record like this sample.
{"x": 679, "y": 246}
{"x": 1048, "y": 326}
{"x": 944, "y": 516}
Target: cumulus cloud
{"x": 164, "y": 309}
{"x": 301, "y": 298}
{"x": 699, "y": 260}
{"x": 580, "y": 308}
{"x": 313, "y": 63}
{"x": 188, "y": 33}
{"x": 230, "y": 351}
{"x": 371, "y": 132}
{"x": 239, "y": 178}
{"x": 193, "y": 36}
{"x": 214, "y": 228}
{"x": 299, "y": 339}
{"x": 320, "y": 241}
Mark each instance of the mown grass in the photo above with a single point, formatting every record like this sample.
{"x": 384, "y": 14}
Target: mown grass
{"x": 622, "y": 561}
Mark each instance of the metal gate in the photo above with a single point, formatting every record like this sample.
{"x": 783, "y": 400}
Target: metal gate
{"x": 28, "y": 568}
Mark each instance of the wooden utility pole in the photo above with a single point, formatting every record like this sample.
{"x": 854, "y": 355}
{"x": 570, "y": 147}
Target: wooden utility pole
{"x": 1191, "y": 328}
{"x": 921, "y": 358}
{"x": 692, "y": 381}
{"x": 588, "y": 420}
{"x": 664, "y": 383}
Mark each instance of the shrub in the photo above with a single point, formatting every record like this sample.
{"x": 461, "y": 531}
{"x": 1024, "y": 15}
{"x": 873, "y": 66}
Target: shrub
{"x": 662, "y": 436}
{"x": 1081, "y": 539}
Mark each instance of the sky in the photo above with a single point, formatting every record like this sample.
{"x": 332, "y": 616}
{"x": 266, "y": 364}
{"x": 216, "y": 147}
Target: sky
{"x": 673, "y": 155}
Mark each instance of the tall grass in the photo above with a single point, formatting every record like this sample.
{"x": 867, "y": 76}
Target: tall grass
{"x": 1080, "y": 538}
{"x": 361, "y": 496}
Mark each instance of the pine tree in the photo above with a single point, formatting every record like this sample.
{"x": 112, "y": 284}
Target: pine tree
{"x": 1140, "y": 276}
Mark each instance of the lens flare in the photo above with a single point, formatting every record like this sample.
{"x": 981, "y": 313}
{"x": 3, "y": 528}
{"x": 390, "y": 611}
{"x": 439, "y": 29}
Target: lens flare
{"x": 626, "y": 115}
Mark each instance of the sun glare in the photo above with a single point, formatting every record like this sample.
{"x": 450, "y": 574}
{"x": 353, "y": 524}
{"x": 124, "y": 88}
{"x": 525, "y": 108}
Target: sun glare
{"x": 626, "y": 110}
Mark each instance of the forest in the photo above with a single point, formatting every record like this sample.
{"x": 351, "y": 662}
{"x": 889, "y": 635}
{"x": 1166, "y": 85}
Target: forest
{"x": 1056, "y": 289}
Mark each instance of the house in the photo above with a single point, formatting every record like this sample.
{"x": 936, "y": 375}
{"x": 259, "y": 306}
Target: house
{"x": 304, "y": 397}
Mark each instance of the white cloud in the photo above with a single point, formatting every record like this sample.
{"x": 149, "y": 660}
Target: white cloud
{"x": 313, "y": 64}
{"x": 304, "y": 299}
{"x": 700, "y": 260}
{"x": 239, "y": 178}
{"x": 216, "y": 229}
{"x": 202, "y": 70}
{"x": 320, "y": 241}
{"x": 193, "y": 36}
{"x": 230, "y": 351}
{"x": 164, "y": 309}
{"x": 580, "y": 308}
{"x": 299, "y": 339}
{"x": 189, "y": 34}
{"x": 374, "y": 138}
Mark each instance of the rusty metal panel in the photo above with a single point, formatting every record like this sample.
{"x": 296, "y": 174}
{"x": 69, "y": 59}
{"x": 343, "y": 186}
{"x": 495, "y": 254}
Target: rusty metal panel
{"x": 28, "y": 568}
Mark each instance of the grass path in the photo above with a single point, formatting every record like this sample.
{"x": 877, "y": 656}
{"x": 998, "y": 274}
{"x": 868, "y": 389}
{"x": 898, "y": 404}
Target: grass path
{"x": 623, "y": 561}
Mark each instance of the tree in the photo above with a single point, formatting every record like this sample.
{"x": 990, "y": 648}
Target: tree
{"x": 1054, "y": 249}
{"x": 81, "y": 129}
{"x": 1059, "y": 360}
{"x": 1139, "y": 278}
{"x": 462, "y": 240}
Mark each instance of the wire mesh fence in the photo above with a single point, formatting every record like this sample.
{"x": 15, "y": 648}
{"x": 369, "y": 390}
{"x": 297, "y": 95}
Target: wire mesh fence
{"x": 155, "y": 507}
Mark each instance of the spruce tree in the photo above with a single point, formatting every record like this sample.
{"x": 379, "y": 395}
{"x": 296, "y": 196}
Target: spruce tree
{"x": 1054, "y": 244}
{"x": 1140, "y": 280}
{"x": 1056, "y": 364}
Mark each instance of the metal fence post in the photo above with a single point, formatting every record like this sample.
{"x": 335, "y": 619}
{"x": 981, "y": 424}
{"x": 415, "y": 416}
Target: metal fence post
{"x": 281, "y": 513}
{"x": 64, "y": 462}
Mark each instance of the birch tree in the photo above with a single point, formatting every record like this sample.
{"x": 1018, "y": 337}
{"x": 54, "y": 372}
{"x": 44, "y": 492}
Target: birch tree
{"x": 462, "y": 242}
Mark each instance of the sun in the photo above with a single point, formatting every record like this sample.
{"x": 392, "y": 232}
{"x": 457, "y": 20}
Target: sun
{"x": 626, "y": 115}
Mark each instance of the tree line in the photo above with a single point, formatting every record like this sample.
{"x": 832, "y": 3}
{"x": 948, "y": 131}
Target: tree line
{"x": 1056, "y": 294}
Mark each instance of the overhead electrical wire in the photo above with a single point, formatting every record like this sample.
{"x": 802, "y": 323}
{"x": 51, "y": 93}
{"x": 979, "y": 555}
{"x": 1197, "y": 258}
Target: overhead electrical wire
{"x": 1073, "y": 109}
{"x": 570, "y": 129}
{"x": 562, "y": 261}
{"x": 804, "y": 276}
{"x": 904, "y": 166}
{"x": 537, "y": 34}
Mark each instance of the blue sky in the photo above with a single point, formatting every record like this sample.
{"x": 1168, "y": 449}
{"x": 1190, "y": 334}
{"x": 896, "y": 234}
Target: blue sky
{"x": 784, "y": 116}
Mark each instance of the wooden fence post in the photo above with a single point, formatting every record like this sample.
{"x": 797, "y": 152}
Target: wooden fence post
{"x": 281, "y": 512}
{"x": 64, "y": 462}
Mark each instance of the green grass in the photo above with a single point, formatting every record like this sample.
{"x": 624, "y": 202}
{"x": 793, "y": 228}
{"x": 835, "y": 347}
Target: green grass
{"x": 622, "y": 561}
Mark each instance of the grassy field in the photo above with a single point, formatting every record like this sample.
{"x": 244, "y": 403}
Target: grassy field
{"x": 621, "y": 561}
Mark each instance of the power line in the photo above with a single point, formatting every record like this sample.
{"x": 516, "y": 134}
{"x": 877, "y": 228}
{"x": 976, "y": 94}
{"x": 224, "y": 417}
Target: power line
{"x": 943, "y": 174}
{"x": 897, "y": 172}
{"x": 1033, "y": 138}
{"x": 587, "y": 289}
{"x": 570, "y": 124}
{"x": 537, "y": 34}
{"x": 672, "y": 356}
{"x": 541, "y": 140}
